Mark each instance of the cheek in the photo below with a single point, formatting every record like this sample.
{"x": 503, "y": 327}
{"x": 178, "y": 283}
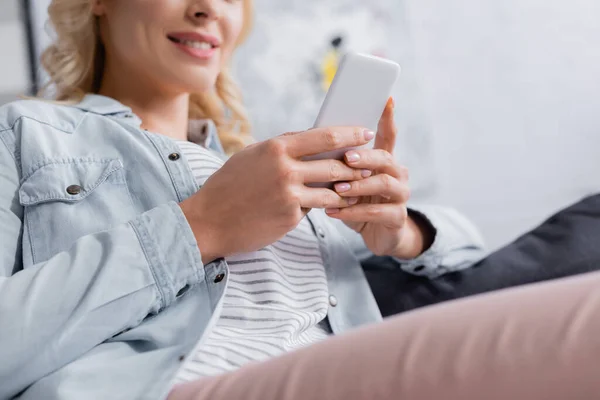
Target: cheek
{"x": 134, "y": 27}
{"x": 231, "y": 32}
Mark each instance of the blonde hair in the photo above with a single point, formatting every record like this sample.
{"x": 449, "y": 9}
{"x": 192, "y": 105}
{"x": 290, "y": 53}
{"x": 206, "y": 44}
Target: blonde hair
{"x": 75, "y": 64}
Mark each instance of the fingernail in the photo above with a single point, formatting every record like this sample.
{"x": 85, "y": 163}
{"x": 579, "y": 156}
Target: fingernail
{"x": 369, "y": 134}
{"x": 352, "y": 201}
{"x": 352, "y": 156}
{"x": 332, "y": 210}
{"x": 342, "y": 187}
{"x": 366, "y": 173}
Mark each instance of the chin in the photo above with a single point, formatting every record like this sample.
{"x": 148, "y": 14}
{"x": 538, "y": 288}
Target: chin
{"x": 199, "y": 84}
{"x": 197, "y": 80}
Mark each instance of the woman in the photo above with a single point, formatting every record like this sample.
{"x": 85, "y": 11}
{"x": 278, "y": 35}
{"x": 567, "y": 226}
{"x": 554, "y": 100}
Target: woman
{"x": 136, "y": 264}
{"x": 120, "y": 276}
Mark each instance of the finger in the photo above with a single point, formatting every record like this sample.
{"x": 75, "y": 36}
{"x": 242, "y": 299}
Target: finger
{"x": 391, "y": 216}
{"x": 386, "y": 130}
{"x": 378, "y": 185}
{"x": 330, "y": 171}
{"x": 321, "y": 140}
{"x": 290, "y": 133}
{"x": 376, "y": 160}
{"x": 324, "y": 198}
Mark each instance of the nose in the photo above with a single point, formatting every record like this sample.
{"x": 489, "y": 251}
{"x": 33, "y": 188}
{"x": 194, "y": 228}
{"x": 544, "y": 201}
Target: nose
{"x": 202, "y": 10}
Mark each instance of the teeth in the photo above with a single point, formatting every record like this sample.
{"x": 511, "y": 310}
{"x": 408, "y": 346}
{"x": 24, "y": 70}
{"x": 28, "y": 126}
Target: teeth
{"x": 196, "y": 45}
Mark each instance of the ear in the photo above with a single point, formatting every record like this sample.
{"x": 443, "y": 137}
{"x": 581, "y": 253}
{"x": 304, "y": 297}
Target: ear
{"x": 98, "y": 7}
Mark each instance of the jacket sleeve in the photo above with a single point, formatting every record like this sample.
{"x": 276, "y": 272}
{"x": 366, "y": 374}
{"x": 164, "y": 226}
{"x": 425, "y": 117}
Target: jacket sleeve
{"x": 53, "y": 312}
{"x": 457, "y": 244}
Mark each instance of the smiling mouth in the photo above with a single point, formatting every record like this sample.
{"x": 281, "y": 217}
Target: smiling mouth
{"x": 195, "y": 44}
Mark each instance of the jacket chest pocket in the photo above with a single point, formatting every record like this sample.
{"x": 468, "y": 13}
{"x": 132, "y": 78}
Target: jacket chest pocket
{"x": 66, "y": 200}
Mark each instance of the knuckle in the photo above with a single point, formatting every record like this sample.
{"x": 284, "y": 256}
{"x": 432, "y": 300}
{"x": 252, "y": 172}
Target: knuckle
{"x": 389, "y": 159}
{"x": 373, "y": 211}
{"x": 333, "y": 138}
{"x": 276, "y": 147}
{"x": 328, "y": 200}
{"x": 285, "y": 169}
{"x": 358, "y": 135}
{"x": 387, "y": 182}
{"x": 335, "y": 171}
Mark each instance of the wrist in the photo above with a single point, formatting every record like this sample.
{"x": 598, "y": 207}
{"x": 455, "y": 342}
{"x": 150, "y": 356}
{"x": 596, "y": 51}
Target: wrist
{"x": 417, "y": 237}
{"x": 206, "y": 236}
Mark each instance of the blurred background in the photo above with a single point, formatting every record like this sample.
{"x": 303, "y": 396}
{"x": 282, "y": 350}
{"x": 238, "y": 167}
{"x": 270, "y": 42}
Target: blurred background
{"x": 498, "y": 103}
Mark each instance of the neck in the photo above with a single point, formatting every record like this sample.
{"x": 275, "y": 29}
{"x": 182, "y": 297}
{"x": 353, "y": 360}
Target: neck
{"x": 160, "y": 112}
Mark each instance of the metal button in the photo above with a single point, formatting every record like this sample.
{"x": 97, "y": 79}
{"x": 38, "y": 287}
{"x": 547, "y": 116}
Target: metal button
{"x": 333, "y": 301}
{"x": 174, "y": 156}
{"x": 219, "y": 278}
{"x": 183, "y": 290}
{"x": 419, "y": 268}
{"x": 74, "y": 190}
{"x": 321, "y": 233}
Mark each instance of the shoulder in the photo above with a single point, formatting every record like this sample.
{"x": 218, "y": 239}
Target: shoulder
{"x": 59, "y": 116}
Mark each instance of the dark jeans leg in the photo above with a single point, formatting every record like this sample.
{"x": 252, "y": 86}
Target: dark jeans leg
{"x": 566, "y": 244}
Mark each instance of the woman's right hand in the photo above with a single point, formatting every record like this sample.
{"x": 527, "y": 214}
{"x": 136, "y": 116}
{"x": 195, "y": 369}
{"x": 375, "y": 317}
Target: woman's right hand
{"x": 260, "y": 193}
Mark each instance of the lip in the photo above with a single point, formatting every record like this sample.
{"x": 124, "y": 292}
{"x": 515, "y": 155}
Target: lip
{"x": 196, "y": 36}
{"x": 197, "y": 53}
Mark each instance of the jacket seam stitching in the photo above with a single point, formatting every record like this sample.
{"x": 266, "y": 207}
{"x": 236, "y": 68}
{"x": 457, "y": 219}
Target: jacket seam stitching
{"x": 175, "y": 186}
{"x": 150, "y": 265}
{"x": 37, "y": 166}
{"x": 38, "y": 121}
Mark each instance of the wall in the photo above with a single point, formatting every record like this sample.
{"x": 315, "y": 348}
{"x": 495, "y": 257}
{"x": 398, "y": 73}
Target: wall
{"x": 512, "y": 88}
{"x": 14, "y": 69}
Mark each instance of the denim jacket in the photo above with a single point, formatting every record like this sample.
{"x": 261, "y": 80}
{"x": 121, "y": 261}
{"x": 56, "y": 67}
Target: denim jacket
{"x": 103, "y": 293}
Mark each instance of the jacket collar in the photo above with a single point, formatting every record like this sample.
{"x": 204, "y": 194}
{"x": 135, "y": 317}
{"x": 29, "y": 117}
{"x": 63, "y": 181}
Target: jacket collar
{"x": 102, "y": 105}
{"x": 202, "y": 131}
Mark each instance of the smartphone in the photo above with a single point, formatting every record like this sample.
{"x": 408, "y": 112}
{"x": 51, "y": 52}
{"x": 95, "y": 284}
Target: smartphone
{"x": 357, "y": 96}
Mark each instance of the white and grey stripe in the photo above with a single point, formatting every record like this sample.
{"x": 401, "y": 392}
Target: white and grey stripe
{"x": 276, "y": 300}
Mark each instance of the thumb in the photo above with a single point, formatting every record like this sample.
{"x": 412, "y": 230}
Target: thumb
{"x": 386, "y": 130}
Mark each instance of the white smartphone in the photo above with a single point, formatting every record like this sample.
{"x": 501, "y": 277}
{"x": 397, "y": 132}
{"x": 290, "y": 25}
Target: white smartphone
{"x": 357, "y": 96}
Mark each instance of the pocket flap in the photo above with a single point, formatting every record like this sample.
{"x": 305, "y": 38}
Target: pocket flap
{"x": 68, "y": 181}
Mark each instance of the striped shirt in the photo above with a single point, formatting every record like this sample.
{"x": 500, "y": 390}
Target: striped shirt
{"x": 276, "y": 299}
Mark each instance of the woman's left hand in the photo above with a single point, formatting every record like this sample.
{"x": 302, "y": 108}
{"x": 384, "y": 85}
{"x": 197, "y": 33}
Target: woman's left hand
{"x": 381, "y": 216}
